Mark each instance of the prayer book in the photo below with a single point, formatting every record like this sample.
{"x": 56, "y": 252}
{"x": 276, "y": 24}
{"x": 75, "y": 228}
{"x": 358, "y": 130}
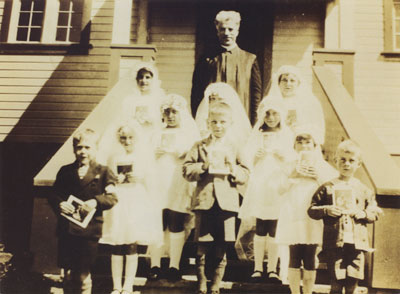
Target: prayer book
{"x": 81, "y": 216}
{"x": 343, "y": 198}
{"x": 218, "y": 164}
{"x": 124, "y": 168}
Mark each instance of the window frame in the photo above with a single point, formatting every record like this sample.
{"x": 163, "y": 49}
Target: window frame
{"x": 48, "y": 41}
{"x": 390, "y": 30}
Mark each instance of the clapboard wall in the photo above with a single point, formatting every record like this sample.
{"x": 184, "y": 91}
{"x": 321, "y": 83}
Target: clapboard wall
{"x": 377, "y": 77}
{"x": 298, "y": 29}
{"x": 172, "y": 28}
{"x": 43, "y": 98}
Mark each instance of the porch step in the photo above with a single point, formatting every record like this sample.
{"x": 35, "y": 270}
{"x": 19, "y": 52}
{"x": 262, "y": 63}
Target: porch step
{"x": 188, "y": 285}
{"x": 236, "y": 270}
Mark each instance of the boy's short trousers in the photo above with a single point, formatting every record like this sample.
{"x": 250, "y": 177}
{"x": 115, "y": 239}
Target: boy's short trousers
{"x": 214, "y": 225}
{"x": 126, "y": 249}
{"x": 77, "y": 253}
{"x": 345, "y": 262}
{"x": 173, "y": 220}
{"x": 266, "y": 227}
{"x": 305, "y": 253}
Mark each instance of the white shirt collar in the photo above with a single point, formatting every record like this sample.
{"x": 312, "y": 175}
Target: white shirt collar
{"x": 229, "y": 48}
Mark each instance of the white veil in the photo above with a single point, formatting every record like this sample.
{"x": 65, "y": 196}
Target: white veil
{"x": 133, "y": 99}
{"x": 187, "y": 124}
{"x": 241, "y": 126}
{"x": 307, "y": 106}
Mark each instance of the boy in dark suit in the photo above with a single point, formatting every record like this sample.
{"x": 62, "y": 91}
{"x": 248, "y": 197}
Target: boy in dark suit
{"x": 346, "y": 206}
{"x": 93, "y": 184}
{"x": 216, "y": 199}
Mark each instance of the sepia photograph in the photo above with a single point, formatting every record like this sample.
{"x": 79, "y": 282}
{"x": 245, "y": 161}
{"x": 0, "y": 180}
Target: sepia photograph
{"x": 199, "y": 146}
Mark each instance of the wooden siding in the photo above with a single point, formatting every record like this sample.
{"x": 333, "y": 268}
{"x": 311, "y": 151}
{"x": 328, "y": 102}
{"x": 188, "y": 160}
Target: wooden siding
{"x": 377, "y": 78}
{"x": 172, "y": 29}
{"x": 298, "y": 29}
{"x": 45, "y": 97}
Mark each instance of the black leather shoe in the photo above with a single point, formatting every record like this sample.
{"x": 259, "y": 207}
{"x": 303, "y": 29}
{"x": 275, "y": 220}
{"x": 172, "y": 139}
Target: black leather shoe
{"x": 174, "y": 275}
{"x": 154, "y": 274}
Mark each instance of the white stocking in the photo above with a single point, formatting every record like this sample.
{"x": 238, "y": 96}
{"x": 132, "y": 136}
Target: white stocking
{"x": 117, "y": 263}
{"x": 259, "y": 251}
{"x": 272, "y": 255}
{"x": 308, "y": 281}
{"x": 284, "y": 263}
{"x": 155, "y": 255}
{"x": 177, "y": 241}
{"x": 294, "y": 276}
{"x": 130, "y": 271}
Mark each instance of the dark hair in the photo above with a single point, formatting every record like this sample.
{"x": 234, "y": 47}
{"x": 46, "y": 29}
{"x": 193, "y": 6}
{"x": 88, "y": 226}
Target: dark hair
{"x": 143, "y": 70}
{"x": 287, "y": 73}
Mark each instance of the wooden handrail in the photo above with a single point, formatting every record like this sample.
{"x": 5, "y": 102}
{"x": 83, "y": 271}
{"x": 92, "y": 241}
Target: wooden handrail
{"x": 381, "y": 169}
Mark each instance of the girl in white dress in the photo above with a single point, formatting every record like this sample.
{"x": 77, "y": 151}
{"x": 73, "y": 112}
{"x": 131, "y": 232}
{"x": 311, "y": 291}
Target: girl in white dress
{"x": 295, "y": 228}
{"x": 269, "y": 149}
{"x": 177, "y": 136}
{"x": 135, "y": 219}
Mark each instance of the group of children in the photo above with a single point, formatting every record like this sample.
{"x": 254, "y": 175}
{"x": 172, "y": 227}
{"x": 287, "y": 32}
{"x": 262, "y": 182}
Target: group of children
{"x": 164, "y": 168}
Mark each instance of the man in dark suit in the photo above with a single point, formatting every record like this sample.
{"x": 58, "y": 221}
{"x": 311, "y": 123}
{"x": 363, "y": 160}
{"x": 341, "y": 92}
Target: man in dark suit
{"x": 229, "y": 64}
{"x": 93, "y": 184}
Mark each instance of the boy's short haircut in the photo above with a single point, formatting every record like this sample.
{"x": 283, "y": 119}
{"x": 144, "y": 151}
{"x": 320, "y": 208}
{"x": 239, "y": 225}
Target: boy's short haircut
{"x": 349, "y": 146}
{"x": 220, "y": 108}
{"x": 227, "y": 15}
{"x": 85, "y": 134}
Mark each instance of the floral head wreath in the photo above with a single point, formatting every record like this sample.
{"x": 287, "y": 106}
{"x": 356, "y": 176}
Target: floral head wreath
{"x": 174, "y": 101}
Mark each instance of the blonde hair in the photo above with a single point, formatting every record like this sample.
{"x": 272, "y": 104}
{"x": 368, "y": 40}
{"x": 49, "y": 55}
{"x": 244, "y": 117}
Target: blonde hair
{"x": 349, "y": 146}
{"x": 219, "y": 108}
{"x": 227, "y": 15}
{"x": 86, "y": 134}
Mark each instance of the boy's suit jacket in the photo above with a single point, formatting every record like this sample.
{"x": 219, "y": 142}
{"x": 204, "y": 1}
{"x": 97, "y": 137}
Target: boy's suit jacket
{"x": 211, "y": 187}
{"x": 91, "y": 186}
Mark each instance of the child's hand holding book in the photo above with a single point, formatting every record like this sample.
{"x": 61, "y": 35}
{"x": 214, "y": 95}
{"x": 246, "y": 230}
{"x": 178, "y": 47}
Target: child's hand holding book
{"x": 88, "y": 205}
{"x": 306, "y": 165}
{"x": 67, "y": 207}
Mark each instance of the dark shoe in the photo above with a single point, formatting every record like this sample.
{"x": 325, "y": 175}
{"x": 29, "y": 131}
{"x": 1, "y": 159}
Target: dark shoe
{"x": 274, "y": 278}
{"x": 257, "y": 277}
{"x": 215, "y": 292}
{"x": 174, "y": 275}
{"x": 154, "y": 274}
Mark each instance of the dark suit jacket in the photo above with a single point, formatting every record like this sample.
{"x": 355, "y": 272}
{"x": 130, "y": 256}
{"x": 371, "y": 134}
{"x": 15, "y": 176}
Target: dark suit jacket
{"x": 211, "y": 187}
{"x": 244, "y": 69}
{"x": 92, "y": 186}
{"x": 333, "y": 226}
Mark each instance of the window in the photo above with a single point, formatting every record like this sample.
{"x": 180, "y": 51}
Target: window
{"x": 392, "y": 25}
{"x": 46, "y": 22}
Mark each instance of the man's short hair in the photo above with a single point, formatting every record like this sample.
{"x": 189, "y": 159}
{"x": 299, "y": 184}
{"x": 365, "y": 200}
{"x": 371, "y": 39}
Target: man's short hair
{"x": 86, "y": 134}
{"x": 227, "y": 15}
{"x": 218, "y": 108}
{"x": 349, "y": 146}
